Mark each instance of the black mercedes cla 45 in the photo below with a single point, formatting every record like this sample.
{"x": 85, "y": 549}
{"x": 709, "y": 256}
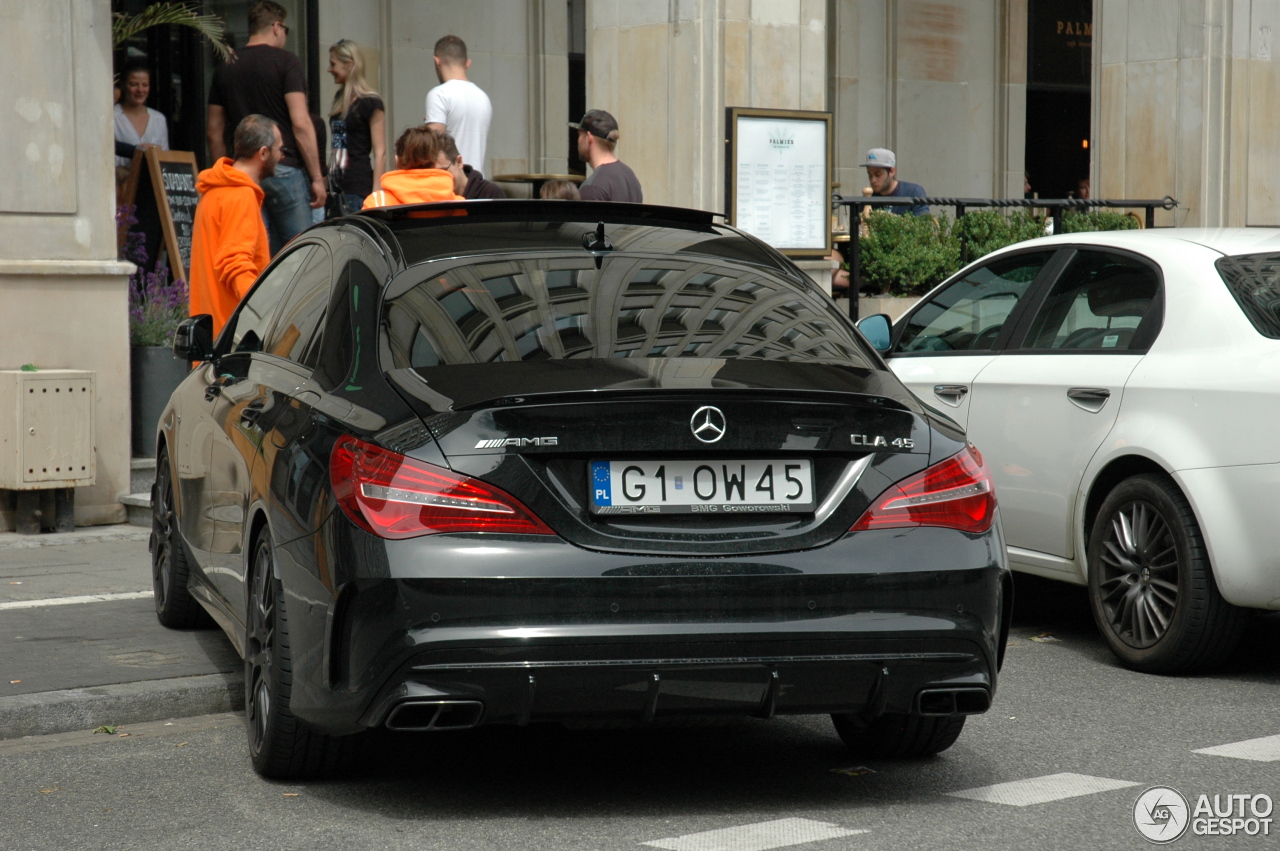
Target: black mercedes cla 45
{"x": 510, "y": 462}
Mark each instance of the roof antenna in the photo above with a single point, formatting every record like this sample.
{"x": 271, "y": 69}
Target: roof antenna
{"x": 596, "y": 241}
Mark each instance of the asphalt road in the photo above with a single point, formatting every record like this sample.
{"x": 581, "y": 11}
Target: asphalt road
{"x": 1065, "y": 711}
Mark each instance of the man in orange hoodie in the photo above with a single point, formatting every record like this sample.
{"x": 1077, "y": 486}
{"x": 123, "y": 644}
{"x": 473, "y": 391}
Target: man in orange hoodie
{"x": 229, "y": 241}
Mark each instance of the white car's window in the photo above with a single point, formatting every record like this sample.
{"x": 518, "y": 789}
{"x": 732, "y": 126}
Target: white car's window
{"x": 1096, "y": 305}
{"x": 970, "y": 313}
{"x": 1254, "y": 282}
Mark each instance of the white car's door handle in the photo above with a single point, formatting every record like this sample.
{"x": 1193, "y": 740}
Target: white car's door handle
{"x": 1090, "y": 399}
{"x": 952, "y": 394}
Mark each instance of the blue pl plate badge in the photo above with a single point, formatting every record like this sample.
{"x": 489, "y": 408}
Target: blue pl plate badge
{"x": 601, "y": 485}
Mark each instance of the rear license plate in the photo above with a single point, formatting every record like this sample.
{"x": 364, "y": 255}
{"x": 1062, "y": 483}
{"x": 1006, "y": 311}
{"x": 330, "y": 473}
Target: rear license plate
{"x": 698, "y": 487}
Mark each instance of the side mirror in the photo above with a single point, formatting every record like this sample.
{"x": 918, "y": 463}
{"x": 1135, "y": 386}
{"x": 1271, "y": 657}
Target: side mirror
{"x": 193, "y": 339}
{"x": 876, "y": 330}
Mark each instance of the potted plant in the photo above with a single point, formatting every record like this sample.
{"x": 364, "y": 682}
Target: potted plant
{"x": 156, "y": 306}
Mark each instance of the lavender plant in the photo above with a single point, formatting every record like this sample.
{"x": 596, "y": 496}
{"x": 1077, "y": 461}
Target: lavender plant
{"x": 156, "y": 305}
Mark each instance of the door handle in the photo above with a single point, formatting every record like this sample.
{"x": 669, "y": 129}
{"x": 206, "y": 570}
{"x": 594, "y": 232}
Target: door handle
{"x": 249, "y": 415}
{"x": 952, "y": 394}
{"x": 1091, "y": 399}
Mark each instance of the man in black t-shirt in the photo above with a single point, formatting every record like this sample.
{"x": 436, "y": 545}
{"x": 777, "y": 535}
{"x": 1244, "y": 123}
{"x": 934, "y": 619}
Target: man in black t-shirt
{"x": 267, "y": 80}
{"x": 611, "y": 179}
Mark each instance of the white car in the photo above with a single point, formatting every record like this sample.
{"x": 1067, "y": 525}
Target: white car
{"x": 1125, "y": 390}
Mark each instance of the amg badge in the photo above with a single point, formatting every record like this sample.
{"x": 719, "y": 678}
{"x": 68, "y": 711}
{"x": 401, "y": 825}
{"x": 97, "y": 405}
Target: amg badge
{"x": 518, "y": 442}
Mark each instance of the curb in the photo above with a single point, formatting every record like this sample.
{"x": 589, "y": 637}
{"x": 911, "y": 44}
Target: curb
{"x": 86, "y": 535}
{"x": 75, "y": 709}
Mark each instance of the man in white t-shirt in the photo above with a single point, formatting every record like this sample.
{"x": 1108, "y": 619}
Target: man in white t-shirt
{"x": 458, "y": 106}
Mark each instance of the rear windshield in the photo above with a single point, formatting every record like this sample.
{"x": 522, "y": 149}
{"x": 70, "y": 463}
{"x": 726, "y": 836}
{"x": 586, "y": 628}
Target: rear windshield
{"x": 634, "y": 306}
{"x": 1254, "y": 282}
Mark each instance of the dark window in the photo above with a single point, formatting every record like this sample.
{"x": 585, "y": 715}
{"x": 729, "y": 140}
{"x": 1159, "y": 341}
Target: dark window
{"x": 1254, "y": 282}
{"x": 608, "y": 317}
{"x": 336, "y": 360}
{"x": 302, "y": 310}
{"x": 1096, "y": 305}
{"x": 562, "y": 278}
{"x": 970, "y": 313}
{"x": 253, "y": 320}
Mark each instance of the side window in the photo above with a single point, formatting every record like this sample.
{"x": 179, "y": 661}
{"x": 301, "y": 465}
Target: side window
{"x": 970, "y": 313}
{"x": 253, "y": 319}
{"x": 302, "y": 309}
{"x": 340, "y": 344}
{"x": 1096, "y": 305}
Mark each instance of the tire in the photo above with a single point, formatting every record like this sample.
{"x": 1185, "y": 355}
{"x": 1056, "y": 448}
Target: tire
{"x": 170, "y": 563}
{"x": 1151, "y": 586}
{"x": 280, "y": 745}
{"x": 897, "y": 736}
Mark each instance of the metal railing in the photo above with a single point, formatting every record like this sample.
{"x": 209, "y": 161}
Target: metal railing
{"x": 849, "y": 251}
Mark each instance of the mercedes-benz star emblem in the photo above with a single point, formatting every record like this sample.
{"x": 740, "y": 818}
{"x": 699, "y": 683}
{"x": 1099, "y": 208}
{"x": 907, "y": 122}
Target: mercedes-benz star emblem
{"x": 707, "y": 424}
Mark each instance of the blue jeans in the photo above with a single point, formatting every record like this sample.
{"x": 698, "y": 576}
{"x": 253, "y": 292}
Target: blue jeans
{"x": 286, "y": 209}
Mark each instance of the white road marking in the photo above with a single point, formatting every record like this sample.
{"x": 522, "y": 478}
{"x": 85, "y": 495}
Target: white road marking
{"x": 71, "y": 601}
{"x": 756, "y": 837}
{"x": 1042, "y": 790}
{"x": 1266, "y": 749}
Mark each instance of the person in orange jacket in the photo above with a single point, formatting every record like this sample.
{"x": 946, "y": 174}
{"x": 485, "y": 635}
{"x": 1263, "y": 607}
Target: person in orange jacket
{"x": 424, "y": 172}
{"x": 229, "y": 240}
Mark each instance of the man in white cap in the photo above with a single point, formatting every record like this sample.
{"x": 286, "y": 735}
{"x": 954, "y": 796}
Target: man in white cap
{"x": 882, "y": 173}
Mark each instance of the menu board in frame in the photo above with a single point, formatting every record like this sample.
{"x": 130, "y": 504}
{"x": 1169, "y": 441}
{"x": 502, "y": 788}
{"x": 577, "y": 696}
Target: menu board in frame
{"x": 778, "y": 177}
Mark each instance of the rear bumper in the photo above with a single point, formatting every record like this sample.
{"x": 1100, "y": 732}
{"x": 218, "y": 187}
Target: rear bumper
{"x": 535, "y": 629}
{"x": 742, "y": 677}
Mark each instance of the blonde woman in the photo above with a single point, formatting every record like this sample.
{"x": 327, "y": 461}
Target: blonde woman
{"x": 357, "y": 125}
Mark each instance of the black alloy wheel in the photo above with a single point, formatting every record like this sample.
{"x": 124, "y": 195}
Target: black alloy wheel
{"x": 280, "y": 745}
{"x": 1151, "y": 586}
{"x": 170, "y": 564}
{"x": 898, "y": 736}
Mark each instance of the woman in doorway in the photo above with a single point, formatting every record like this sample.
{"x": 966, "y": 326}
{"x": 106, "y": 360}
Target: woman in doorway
{"x": 357, "y": 123}
{"x": 136, "y": 123}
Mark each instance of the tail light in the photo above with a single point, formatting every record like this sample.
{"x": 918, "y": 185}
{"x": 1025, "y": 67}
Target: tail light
{"x": 956, "y": 493}
{"x": 392, "y": 496}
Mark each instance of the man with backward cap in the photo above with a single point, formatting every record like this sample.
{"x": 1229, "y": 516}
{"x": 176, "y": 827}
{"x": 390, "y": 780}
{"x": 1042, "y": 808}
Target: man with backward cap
{"x": 882, "y": 174}
{"x": 611, "y": 179}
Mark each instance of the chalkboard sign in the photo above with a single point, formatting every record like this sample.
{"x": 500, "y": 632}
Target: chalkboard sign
{"x": 162, "y": 185}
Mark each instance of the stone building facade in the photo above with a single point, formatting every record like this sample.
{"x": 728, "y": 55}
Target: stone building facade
{"x": 1180, "y": 105}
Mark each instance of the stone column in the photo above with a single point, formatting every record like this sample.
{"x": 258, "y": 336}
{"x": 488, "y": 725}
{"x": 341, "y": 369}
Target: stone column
{"x": 940, "y": 82}
{"x": 65, "y": 297}
{"x": 519, "y": 56}
{"x": 1183, "y": 99}
{"x": 666, "y": 69}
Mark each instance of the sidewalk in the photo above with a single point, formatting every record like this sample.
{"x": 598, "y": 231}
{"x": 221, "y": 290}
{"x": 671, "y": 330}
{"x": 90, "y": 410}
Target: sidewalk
{"x": 103, "y": 659}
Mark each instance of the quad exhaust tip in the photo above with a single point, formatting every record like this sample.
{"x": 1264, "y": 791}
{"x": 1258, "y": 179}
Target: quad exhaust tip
{"x": 415, "y": 716}
{"x": 953, "y": 701}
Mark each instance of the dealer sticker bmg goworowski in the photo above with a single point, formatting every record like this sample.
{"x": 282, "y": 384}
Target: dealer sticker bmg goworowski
{"x": 1162, "y": 814}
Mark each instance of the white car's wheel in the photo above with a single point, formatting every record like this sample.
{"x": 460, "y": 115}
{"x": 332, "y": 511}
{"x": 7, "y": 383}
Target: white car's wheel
{"x": 1151, "y": 587}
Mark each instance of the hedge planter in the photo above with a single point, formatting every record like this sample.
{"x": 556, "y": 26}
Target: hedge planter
{"x": 154, "y": 373}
